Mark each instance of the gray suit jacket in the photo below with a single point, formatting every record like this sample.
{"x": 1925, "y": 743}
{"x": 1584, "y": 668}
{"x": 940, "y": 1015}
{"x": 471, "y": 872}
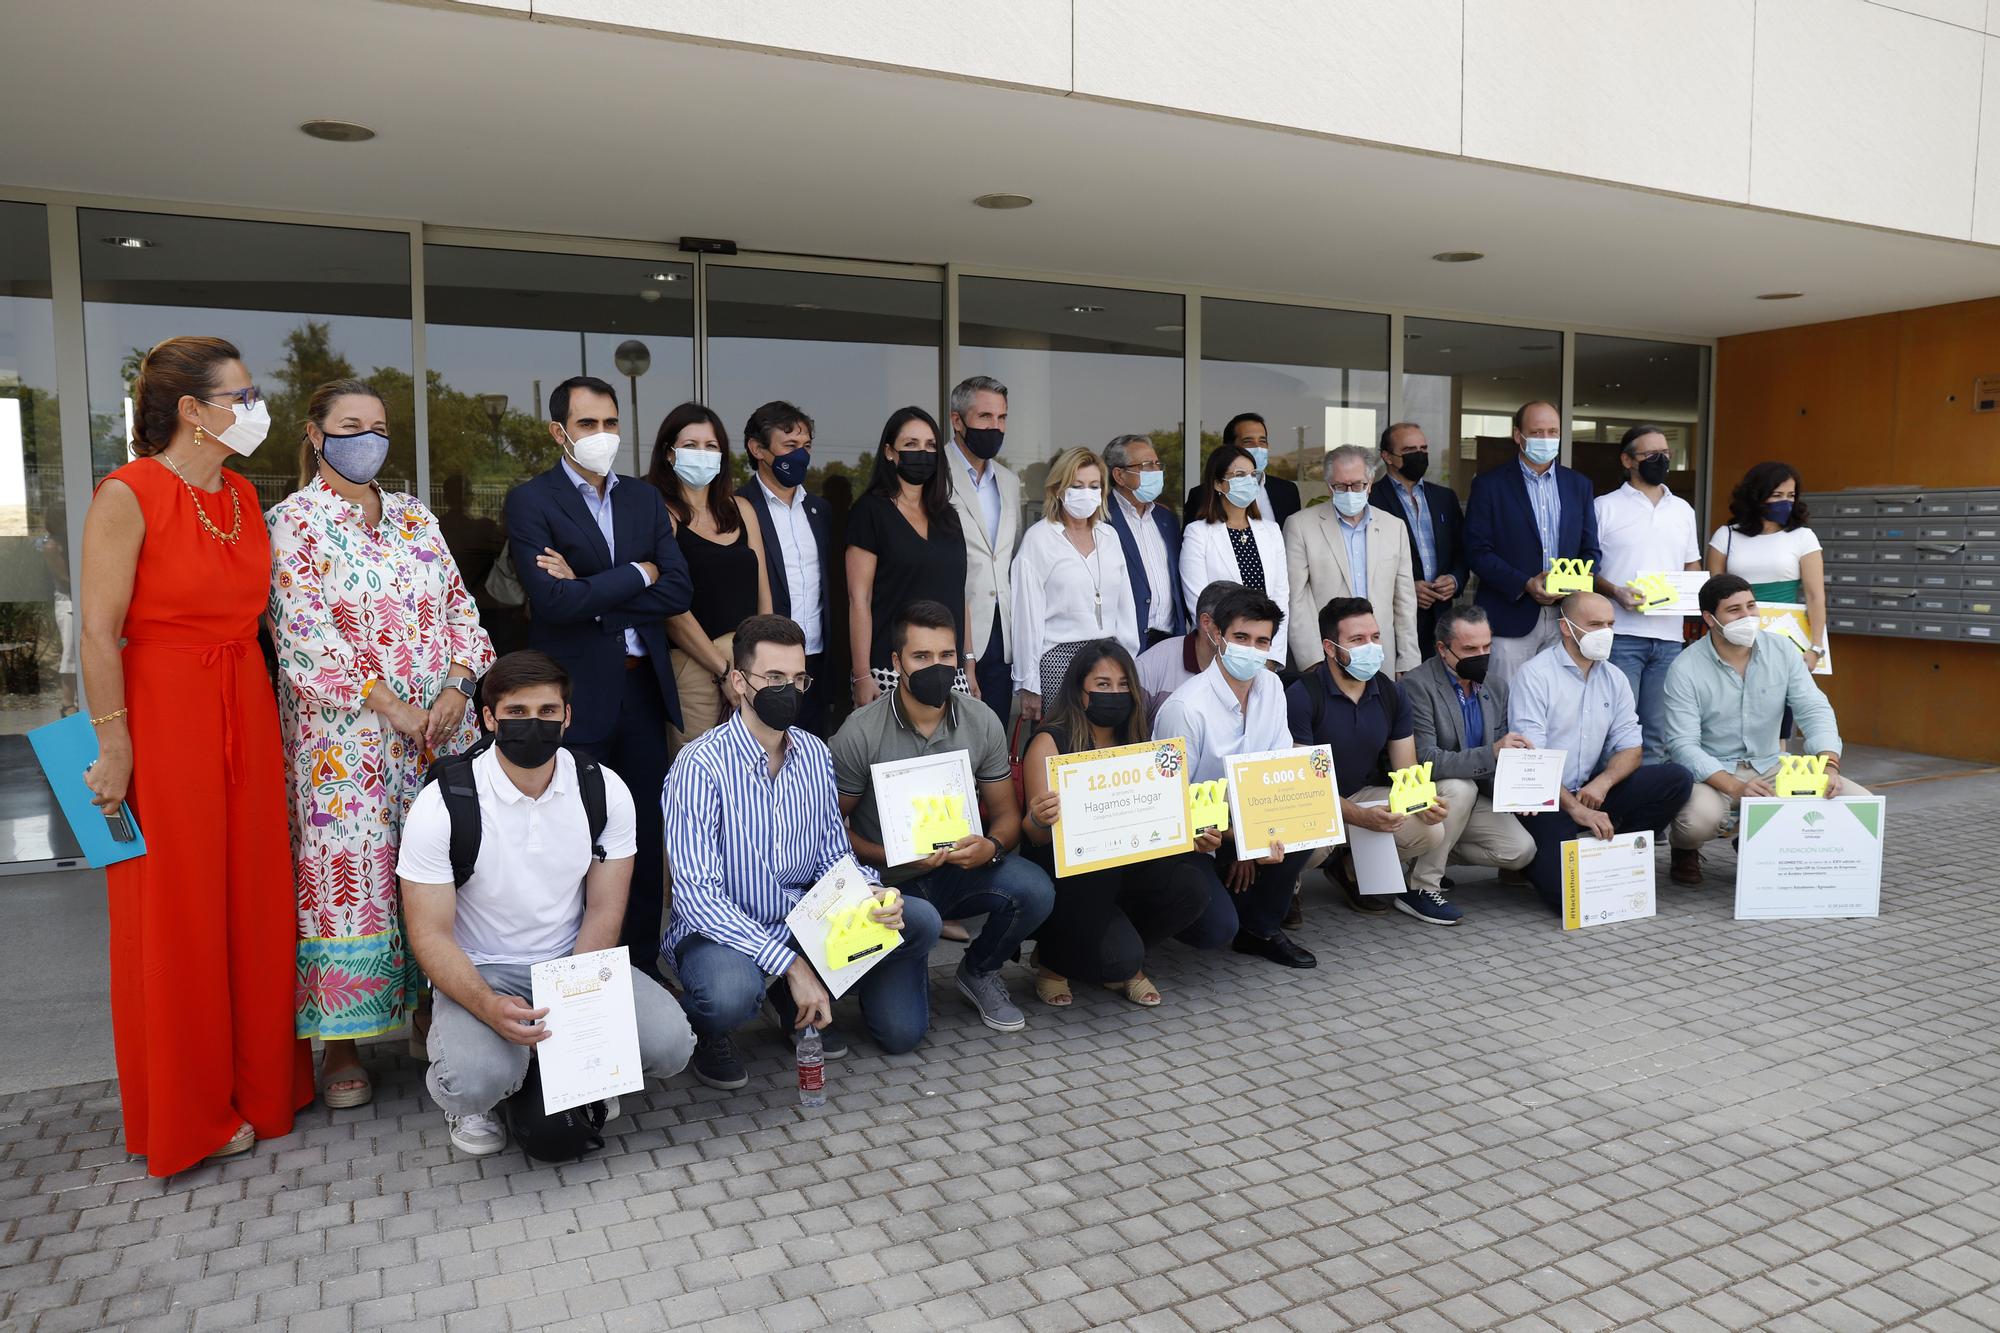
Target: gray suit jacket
{"x": 1440, "y": 726}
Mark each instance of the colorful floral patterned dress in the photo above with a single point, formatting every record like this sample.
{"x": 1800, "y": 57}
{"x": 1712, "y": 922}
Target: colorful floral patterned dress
{"x": 351, "y": 604}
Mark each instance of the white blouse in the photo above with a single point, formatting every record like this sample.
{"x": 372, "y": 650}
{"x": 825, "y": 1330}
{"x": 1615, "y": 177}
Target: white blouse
{"x": 1062, "y": 596}
{"x": 1206, "y": 556}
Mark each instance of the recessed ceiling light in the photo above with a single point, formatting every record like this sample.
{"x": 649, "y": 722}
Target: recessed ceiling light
{"x": 1003, "y": 201}
{"x": 1086, "y": 310}
{"x": 1170, "y": 328}
{"x": 1458, "y": 256}
{"x": 130, "y": 242}
{"x": 337, "y": 131}
{"x": 666, "y": 277}
{"x": 1779, "y": 296}
{"x": 1538, "y": 347}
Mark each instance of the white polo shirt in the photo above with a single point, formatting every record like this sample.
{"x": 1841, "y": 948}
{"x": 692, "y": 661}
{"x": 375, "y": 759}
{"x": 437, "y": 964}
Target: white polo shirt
{"x": 1641, "y": 537}
{"x": 1206, "y": 713}
{"x": 524, "y": 902}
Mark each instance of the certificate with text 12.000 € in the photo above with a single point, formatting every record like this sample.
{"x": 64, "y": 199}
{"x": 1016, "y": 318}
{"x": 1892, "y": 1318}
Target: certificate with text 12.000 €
{"x": 1125, "y": 804}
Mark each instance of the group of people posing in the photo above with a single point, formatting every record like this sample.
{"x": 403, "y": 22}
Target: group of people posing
{"x": 411, "y": 824}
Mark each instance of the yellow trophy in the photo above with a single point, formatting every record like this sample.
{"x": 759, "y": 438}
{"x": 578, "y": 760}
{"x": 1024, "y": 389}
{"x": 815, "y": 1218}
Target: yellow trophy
{"x": 1208, "y": 805}
{"x": 941, "y": 822}
{"x": 1802, "y": 775}
{"x": 1411, "y": 790}
{"x": 853, "y": 935}
{"x": 1653, "y": 590}
{"x": 1567, "y": 576}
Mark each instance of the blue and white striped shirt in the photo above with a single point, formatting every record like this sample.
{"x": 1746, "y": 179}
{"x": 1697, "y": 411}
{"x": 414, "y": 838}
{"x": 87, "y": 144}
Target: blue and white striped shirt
{"x": 1545, "y": 498}
{"x": 744, "y": 846}
{"x": 1417, "y": 511}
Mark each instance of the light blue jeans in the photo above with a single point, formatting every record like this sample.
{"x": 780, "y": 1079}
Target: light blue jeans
{"x": 1644, "y": 662}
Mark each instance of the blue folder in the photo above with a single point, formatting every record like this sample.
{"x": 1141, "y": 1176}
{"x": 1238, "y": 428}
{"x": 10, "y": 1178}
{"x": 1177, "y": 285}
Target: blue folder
{"x": 64, "y": 750}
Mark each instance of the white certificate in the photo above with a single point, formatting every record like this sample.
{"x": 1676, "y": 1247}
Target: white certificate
{"x": 903, "y": 787}
{"x": 1803, "y": 856}
{"x": 840, "y": 890}
{"x": 1686, "y": 584}
{"x": 1607, "y": 881}
{"x": 592, "y": 1051}
{"x": 1378, "y": 866}
{"x": 1528, "y": 782}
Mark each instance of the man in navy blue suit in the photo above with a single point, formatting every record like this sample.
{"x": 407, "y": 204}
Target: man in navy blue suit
{"x": 1150, "y": 536}
{"x": 596, "y": 555}
{"x": 1521, "y": 516}
{"x": 796, "y": 528}
{"x": 1431, "y": 513}
{"x": 1277, "y": 497}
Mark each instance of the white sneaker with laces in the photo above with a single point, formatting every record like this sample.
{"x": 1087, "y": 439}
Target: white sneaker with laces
{"x": 476, "y": 1135}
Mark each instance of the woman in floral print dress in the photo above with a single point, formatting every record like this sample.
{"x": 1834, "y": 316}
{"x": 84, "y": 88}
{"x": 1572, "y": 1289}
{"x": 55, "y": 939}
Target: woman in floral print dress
{"x": 374, "y": 631}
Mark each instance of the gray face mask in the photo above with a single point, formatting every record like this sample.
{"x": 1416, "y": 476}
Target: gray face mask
{"x": 357, "y": 457}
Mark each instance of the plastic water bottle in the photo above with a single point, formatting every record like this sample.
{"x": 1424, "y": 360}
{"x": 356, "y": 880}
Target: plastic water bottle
{"x": 812, "y": 1069}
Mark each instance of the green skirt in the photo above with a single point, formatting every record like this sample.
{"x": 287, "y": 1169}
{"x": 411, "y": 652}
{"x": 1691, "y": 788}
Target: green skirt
{"x": 1784, "y": 590}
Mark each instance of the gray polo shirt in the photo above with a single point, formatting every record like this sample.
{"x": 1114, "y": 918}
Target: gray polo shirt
{"x": 881, "y": 733}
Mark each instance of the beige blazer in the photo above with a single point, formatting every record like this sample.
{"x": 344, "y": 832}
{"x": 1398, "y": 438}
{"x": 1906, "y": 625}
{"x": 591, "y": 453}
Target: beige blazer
{"x": 987, "y": 564}
{"x": 1316, "y": 557}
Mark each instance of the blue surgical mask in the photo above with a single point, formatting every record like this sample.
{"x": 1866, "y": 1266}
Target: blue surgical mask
{"x": 1242, "y": 661}
{"x": 357, "y": 457}
{"x": 1542, "y": 451}
{"x": 1363, "y": 660}
{"x": 1149, "y": 487}
{"x": 697, "y": 467}
{"x": 1350, "y": 503}
{"x": 1259, "y": 454}
{"x": 1243, "y": 491}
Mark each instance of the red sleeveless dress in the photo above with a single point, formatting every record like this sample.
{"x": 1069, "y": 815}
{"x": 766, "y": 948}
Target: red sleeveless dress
{"x": 203, "y": 931}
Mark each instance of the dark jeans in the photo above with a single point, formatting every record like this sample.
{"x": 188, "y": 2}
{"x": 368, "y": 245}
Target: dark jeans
{"x": 1648, "y": 799}
{"x": 1259, "y": 909}
{"x": 1106, "y": 920}
{"x": 636, "y": 750}
{"x": 995, "y": 677}
{"x": 1014, "y": 897}
{"x": 1645, "y": 662}
{"x": 725, "y": 987}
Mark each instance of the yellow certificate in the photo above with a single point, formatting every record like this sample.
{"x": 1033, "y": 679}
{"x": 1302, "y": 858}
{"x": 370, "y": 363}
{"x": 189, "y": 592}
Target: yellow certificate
{"x": 1283, "y": 796}
{"x": 1125, "y": 804}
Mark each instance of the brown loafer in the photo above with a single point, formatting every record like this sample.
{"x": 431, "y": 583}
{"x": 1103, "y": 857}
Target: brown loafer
{"x": 1686, "y": 867}
{"x": 1341, "y": 871}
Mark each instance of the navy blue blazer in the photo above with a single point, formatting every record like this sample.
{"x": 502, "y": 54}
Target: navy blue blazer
{"x": 581, "y": 622}
{"x": 821, "y": 520}
{"x": 1142, "y": 591}
{"x": 1505, "y": 549}
{"x": 1447, "y": 526}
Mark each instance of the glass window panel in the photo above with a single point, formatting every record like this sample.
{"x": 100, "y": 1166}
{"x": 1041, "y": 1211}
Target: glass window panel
{"x": 1462, "y": 383}
{"x": 1625, "y": 382}
{"x": 303, "y": 304}
{"x": 1083, "y": 365}
{"x": 38, "y": 628}
{"x": 1319, "y": 378}
{"x": 501, "y": 329}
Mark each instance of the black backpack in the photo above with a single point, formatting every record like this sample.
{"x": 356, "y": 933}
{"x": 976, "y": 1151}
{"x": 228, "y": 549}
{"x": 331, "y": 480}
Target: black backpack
{"x": 566, "y": 1136}
{"x": 460, "y": 791}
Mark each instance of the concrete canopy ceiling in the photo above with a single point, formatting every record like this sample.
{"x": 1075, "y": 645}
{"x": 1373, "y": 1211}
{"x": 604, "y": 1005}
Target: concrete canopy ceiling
{"x": 486, "y": 120}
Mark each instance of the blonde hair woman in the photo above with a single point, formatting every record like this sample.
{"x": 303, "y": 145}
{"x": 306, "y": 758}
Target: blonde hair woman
{"x": 1069, "y": 578}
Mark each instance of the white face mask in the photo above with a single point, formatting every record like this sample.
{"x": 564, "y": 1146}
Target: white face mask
{"x": 1594, "y": 644}
{"x": 1742, "y": 631}
{"x": 245, "y": 433}
{"x": 695, "y": 467}
{"x": 1080, "y": 501}
{"x": 1350, "y": 503}
{"x": 1542, "y": 451}
{"x": 594, "y": 453}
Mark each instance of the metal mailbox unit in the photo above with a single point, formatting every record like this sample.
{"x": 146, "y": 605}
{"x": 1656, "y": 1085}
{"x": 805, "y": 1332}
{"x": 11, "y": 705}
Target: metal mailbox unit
{"x": 1913, "y": 564}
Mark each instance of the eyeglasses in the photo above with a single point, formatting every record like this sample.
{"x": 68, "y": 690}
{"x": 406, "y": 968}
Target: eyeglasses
{"x": 773, "y": 679}
{"x": 1351, "y": 487}
{"x": 249, "y": 397}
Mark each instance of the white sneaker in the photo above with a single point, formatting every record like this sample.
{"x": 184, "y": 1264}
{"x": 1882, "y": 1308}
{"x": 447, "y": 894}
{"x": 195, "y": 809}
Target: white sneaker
{"x": 476, "y": 1135}
{"x": 610, "y": 1109}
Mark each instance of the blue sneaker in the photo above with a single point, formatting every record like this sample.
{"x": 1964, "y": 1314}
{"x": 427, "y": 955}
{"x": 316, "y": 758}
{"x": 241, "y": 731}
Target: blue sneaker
{"x": 1429, "y": 906}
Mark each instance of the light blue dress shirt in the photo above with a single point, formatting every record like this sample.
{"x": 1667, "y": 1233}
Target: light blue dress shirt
{"x": 1557, "y": 707}
{"x": 985, "y": 485}
{"x": 1716, "y": 719}
{"x": 1356, "y": 537}
{"x": 1417, "y": 512}
{"x": 600, "y": 509}
{"x": 1545, "y": 498}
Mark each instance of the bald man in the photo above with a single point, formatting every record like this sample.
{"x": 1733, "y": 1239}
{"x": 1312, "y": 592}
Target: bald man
{"x": 1568, "y": 697}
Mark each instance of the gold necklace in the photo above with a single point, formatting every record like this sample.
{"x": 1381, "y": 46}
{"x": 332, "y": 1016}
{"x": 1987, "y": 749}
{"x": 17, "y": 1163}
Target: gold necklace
{"x": 201, "y": 513}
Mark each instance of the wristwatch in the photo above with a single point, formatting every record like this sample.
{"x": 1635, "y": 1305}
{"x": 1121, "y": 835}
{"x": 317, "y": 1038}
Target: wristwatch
{"x": 999, "y": 849}
{"x": 465, "y": 685}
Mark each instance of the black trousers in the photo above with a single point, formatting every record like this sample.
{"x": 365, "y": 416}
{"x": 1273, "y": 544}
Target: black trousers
{"x": 816, "y": 709}
{"x": 636, "y": 750}
{"x": 1648, "y": 799}
{"x": 1427, "y": 639}
{"x": 1104, "y": 921}
{"x": 996, "y": 678}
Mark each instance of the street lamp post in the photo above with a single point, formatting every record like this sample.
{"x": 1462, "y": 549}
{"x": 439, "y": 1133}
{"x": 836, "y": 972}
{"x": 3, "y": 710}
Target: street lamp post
{"x": 633, "y": 360}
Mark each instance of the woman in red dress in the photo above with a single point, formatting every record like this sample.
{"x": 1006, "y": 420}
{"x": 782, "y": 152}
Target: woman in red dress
{"x": 177, "y": 563}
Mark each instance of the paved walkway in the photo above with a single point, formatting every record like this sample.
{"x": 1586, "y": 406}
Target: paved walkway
{"x": 1683, "y": 1123}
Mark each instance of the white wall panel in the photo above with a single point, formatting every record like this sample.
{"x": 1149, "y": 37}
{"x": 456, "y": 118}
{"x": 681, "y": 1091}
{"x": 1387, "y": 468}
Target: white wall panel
{"x": 1986, "y": 207}
{"x": 1866, "y": 114}
{"x": 1993, "y": 17}
{"x": 1624, "y": 90}
{"x": 1024, "y": 41}
{"x": 1965, "y": 13}
{"x": 1386, "y": 72}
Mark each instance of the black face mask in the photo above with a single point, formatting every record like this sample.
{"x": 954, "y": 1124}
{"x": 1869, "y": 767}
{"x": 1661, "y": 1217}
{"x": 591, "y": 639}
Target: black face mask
{"x": 777, "y": 706}
{"x": 916, "y": 468}
{"x": 1473, "y": 668}
{"x": 1653, "y": 469}
{"x": 1110, "y": 709}
{"x": 931, "y": 685}
{"x": 528, "y": 742}
{"x": 983, "y": 441}
{"x": 1415, "y": 465}
{"x": 790, "y": 469}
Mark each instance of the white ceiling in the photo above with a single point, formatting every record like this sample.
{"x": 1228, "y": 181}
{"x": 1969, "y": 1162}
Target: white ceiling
{"x": 491, "y": 121}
